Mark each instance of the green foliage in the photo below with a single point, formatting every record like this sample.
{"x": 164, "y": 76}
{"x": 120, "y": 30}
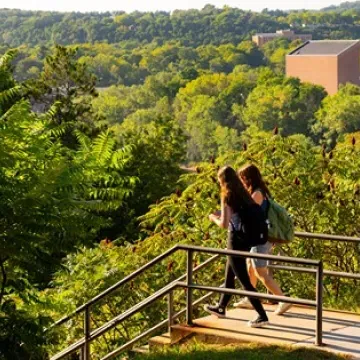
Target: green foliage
{"x": 158, "y": 147}
{"x": 68, "y": 84}
{"x": 21, "y": 334}
{"x": 52, "y": 199}
{"x": 276, "y": 51}
{"x": 284, "y": 103}
{"x": 339, "y": 114}
{"x": 205, "y": 108}
{"x": 48, "y": 200}
{"x": 209, "y": 25}
{"x": 122, "y": 48}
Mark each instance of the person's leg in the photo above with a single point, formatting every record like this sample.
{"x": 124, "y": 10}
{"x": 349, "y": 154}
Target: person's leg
{"x": 269, "y": 282}
{"x": 262, "y": 273}
{"x": 220, "y": 309}
{"x": 244, "y": 303}
{"x": 238, "y": 265}
{"x": 260, "y": 269}
{"x": 252, "y": 274}
{"x": 229, "y": 283}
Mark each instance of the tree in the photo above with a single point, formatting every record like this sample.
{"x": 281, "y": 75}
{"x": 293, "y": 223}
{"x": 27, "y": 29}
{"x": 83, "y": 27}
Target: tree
{"x": 67, "y": 83}
{"x": 283, "y": 103}
{"x": 158, "y": 150}
{"x": 52, "y": 199}
{"x": 276, "y": 51}
{"x": 339, "y": 114}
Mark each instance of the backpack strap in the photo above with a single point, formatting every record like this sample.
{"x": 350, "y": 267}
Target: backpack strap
{"x": 267, "y": 207}
{"x": 233, "y": 228}
{"x": 266, "y": 198}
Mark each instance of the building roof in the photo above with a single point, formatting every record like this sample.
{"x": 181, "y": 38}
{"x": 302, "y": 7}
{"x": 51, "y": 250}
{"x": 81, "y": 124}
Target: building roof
{"x": 324, "y": 47}
{"x": 267, "y": 34}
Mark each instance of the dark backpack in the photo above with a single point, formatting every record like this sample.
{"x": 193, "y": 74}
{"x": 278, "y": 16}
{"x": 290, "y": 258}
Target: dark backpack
{"x": 252, "y": 229}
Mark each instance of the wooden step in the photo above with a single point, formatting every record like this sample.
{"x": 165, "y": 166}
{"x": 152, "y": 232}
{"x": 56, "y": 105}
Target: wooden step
{"x": 167, "y": 339}
{"x": 145, "y": 349}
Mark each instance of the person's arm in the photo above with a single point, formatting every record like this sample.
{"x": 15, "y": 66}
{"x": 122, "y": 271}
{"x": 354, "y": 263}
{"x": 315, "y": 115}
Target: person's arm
{"x": 224, "y": 219}
{"x": 258, "y": 197}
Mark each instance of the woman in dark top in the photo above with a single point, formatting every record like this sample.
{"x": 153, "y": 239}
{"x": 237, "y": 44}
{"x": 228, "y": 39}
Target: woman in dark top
{"x": 258, "y": 268}
{"x": 236, "y": 203}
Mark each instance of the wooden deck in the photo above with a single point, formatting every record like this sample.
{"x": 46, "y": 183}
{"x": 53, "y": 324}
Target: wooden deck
{"x": 341, "y": 330}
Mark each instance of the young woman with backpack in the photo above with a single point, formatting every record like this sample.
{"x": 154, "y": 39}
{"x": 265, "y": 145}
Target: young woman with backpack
{"x": 247, "y": 226}
{"x": 258, "y": 269}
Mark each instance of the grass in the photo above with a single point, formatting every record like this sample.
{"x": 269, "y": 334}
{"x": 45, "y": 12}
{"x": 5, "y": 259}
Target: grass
{"x": 198, "y": 351}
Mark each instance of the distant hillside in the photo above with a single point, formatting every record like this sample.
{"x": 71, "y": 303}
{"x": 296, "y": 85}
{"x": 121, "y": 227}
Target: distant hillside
{"x": 192, "y": 27}
{"x": 209, "y": 25}
{"x": 347, "y": 5}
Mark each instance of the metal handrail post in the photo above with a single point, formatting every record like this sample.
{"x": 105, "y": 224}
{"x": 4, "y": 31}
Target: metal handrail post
{"x": 319, "y": 303}
{"x": 170, "y": 310}
{"x": 87, "y": 330}
{"x": 189, "y": 292}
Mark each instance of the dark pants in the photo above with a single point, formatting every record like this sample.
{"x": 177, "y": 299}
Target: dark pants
{"x": 236, "y": 266}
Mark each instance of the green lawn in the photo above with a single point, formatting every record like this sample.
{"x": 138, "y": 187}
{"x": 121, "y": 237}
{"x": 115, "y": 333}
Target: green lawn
{"x": 198, "y": 351}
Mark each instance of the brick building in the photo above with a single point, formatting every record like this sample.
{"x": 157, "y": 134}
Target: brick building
{"x": 326, "y": 62}
{"x": 261, "y": 39}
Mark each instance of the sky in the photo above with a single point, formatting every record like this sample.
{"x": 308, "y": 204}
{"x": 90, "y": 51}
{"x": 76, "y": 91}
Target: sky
{"x": 167, "y": 5}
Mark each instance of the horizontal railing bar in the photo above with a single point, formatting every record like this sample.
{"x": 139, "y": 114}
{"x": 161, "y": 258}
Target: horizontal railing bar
{"x": 292, "y": 268}
{"x": 313, "y": 271}
{"x": 81, "y": 342}
{"x": 327, "y": 237}
{"x": 249, "y": 255}
{"x": 115, "y": 321}
{"x": 153, "y": 329}
{"x": 138, "y": 307}
{"x": 172, "y": 250}
{"x": 116, "y": 286}
{"x": 168, "y": 253}
{"x": 99, "y": 331}
{"x": 135, "y": 340}
{"x": 250, "y": 294}
{"x": 153, "y": 297}
{"x": 342, "y": 274}
{"x": 128, "y": 278}
{"x": 197, "y": 268}
{"x": 69, "y": 350}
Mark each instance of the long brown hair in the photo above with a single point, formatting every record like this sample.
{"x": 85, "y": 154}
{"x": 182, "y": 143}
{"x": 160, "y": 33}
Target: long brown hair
{"x": 252, "y": 178}
{"x": 233, "y": 191}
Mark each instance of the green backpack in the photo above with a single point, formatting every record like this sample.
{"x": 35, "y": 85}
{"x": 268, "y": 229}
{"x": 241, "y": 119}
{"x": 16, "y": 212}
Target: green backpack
{"x": 281, "y": 226}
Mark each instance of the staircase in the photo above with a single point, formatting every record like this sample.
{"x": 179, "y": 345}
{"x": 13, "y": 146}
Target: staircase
{"x": 303, "y": 325}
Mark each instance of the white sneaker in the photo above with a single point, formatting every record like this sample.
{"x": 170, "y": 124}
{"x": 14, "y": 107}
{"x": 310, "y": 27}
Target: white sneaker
{"x": 243, "y": 304}
{"x": 282, "y": 308}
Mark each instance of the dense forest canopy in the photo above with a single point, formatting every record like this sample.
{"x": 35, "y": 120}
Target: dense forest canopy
{"x": 346, "y": 5}
{"x": 209, "y": 25}
{"x": 124, "y": 48}
{"x": 102, "y": 115}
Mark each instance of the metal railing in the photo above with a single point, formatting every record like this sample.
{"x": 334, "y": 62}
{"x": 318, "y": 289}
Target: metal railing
{"x": 323, "y": 237}
{"x": 327, "y": 237}
{"x": 89, "y": 335}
